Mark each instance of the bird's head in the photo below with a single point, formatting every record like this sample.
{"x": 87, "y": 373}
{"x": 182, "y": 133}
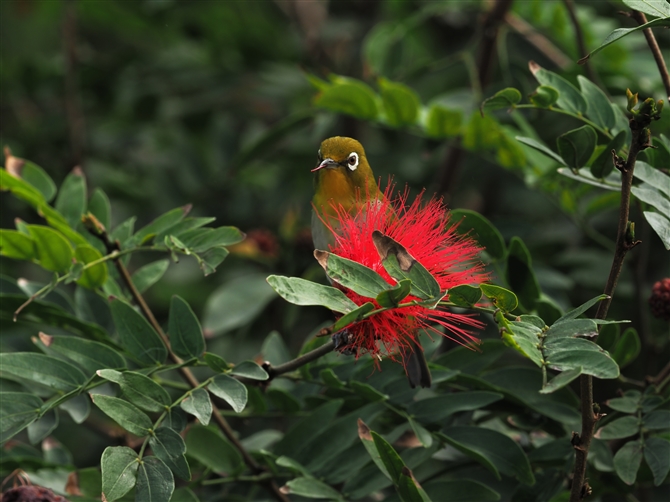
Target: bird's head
{"x": 342, "y": 169}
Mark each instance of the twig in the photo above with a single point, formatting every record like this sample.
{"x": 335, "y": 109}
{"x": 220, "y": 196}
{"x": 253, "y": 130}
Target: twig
{"x": 624, "y": 243}
{"x": 489, "y": 34}
{"x": 296, "y": 363}
{"x": 186, "y": 372}
{"x": 655, "y": 50}
{"x": 570, "y": 7}
{"x": 662, "y": 379}
{"x": 538, "y": 40}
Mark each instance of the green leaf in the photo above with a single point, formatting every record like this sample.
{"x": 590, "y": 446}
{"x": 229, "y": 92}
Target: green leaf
{"x": 16, "y": 245}
{"x": 576, "y": 146}
{"x": 353, "y": 316}
{"x": 283, "y": 401}
{"x": 622, "y": 32}
{"x": 627, "y": 348}
{"x": 199, "y": 405}
{"x": 169, "y": 446}
{"x": 657, "y": 455}
{"x": 119, "y": 470}
{"x": 18, "y": 411}
{"x": 603, "y": 165}
{"x": 392, "y": 461}
{"x": 502, "y": 298}
{"x": 494, "y": 450}
{"x": 155, "y": 482}
{"x": 464, "y": 295}
{"x": 525, "y": 338}
{"x": 150, "y": 274}
{"x": 136, "y": 334}
{"x": 544, "y": 96}
{"x": 474, "y": 224}
{"x": 88, "y": 354}
{"x": 99, "y": 205}
{"x": 439, "y": 408}
{"x": 202, "y": 239}
{"x": 302, "y": 292}
{"x": 656, "y": 8}
{"x": 311, "y": 488}
{"x": 620, "y": 428}
{"x": 401, "y": 103}
{"x": 599, "y": 107}
{"x": 573, "y": 314}
{"x": 367, "y": 392}
{"x": 71, "y": 200}
{"x": 209, "y": 447}
{"x": 626, "y": 404}
{"x": 392, "y": 297}
{"x": 236, "y": 303}
{"x": 143, "y": 392}
{"x": 45, "y": 370}
{"x": 53, "y": 251}
{"x": 519, "y": 274}
{"x": 78, "y": 407}
{"x": 161, "y": 224}
{"x": 661, "y": 226}
{"x": 569, "y": 353}
{"x": 95, "y": 276}
{"x": 39, "y": 179}
{"x": 463, "y": 490}
{"x": 275, "y": 350}
{"x": 215, "y": 362}
{"x": 308, "y": 427}
{"x": 230, "y": 390}
{"x": 506, "y": 98}
{"x": 400, "y": 264}
{"x": 442, "y": 122}
{"x": 364, "y": 434}
{"x": 653, "y": 177}
{"x": 422, "y": 434}
{"x": 657, "y": 420}
{"x": 584, "y": 328}
{"x": 184, "y": 330}
{"x": 540, "y": 147}
{"x": 627, "y": 461}
{"x": 561, "y": 380}
{"x": 250, "y": 369}
{"x": 569, "y": 98}
{"x": 40, "y": 429}
{"x": 653, "y": 197}
{"x": 350, "y": 97}
{"x": 127, "y": 415}
{"x": 352, "y": 275}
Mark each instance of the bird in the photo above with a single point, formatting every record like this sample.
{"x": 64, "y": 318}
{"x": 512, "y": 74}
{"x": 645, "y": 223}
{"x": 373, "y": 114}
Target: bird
{"x": 343, "y": 178}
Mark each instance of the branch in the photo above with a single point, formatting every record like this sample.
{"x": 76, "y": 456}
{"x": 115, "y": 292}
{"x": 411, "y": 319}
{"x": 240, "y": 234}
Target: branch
{"x": 624, "y": 243}
{"x": 570, "y": 7}
{"x": 184, "y": 371}
{"x": 299, "y": 361}
{"x": 655, "y": 50}
{"x": 538, "y": 40}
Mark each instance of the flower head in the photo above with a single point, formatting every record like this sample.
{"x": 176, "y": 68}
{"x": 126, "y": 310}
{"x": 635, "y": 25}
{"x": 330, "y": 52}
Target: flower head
{"x": 422, "y": 229}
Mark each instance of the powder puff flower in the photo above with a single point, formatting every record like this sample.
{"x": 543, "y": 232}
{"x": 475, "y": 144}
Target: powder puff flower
{"x": 425, "y": 233}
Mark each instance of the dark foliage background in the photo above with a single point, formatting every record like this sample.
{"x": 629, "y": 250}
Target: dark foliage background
{"x": 165, "y": 103}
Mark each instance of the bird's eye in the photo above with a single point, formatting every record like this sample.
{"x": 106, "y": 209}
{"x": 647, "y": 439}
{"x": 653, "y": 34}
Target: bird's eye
{"x": 352, "y": 161}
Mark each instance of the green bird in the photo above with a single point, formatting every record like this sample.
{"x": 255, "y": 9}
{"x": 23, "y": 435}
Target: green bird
{"x": 344, "y": 178}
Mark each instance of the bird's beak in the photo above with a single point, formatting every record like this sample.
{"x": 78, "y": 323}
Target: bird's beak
{"x": 324, "y": 163}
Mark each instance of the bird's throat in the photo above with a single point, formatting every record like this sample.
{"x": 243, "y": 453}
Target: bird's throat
{"x": 334, "y": 187}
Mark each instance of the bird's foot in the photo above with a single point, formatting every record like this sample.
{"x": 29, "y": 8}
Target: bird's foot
{"x": 341, "y": 340}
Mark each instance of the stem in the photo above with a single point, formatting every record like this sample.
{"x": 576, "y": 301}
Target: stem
{"x": 655, "y": 50}
{"x": 624, "y": 243}
{"x": 570, "y": 7}
{"x": 299, "y": 361}
{"x": 538, "y": 40}
{"x": 187, "y": 374}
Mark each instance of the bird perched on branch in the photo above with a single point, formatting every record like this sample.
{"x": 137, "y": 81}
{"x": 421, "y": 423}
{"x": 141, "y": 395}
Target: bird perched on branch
{"x": 344, "y": 181}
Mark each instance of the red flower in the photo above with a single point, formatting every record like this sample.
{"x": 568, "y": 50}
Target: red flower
{"x": 423, "y": 231}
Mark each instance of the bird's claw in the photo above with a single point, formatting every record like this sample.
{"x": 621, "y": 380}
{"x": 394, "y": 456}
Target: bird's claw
{"x": 341, "y": 340}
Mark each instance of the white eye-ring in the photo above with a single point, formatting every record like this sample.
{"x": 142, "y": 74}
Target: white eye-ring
{"x": 352, "y": 161}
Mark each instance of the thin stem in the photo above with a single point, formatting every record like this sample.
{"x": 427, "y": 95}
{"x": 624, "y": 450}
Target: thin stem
{"x": 570, "y": 7}
{"x": 624, "y": 243}
{"x": 655, "y": 50}
{"x": 538, "y": 40}
{"x": 296, "y": 363}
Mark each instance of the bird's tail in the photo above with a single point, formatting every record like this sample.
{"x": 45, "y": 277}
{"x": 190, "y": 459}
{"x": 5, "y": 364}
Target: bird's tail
{"x": 416, "y": 366}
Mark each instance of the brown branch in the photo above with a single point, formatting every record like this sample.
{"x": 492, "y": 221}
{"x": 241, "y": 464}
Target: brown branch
{"x": 489, "y": 35}
{"x": 655, "y": 50}
{"x": 538, "y": 40}
{"x": 624, "y": 243}
{"x": 186, "y": 373}
{"x": 275, "y": 371}
{"x": 581, "y": 45}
